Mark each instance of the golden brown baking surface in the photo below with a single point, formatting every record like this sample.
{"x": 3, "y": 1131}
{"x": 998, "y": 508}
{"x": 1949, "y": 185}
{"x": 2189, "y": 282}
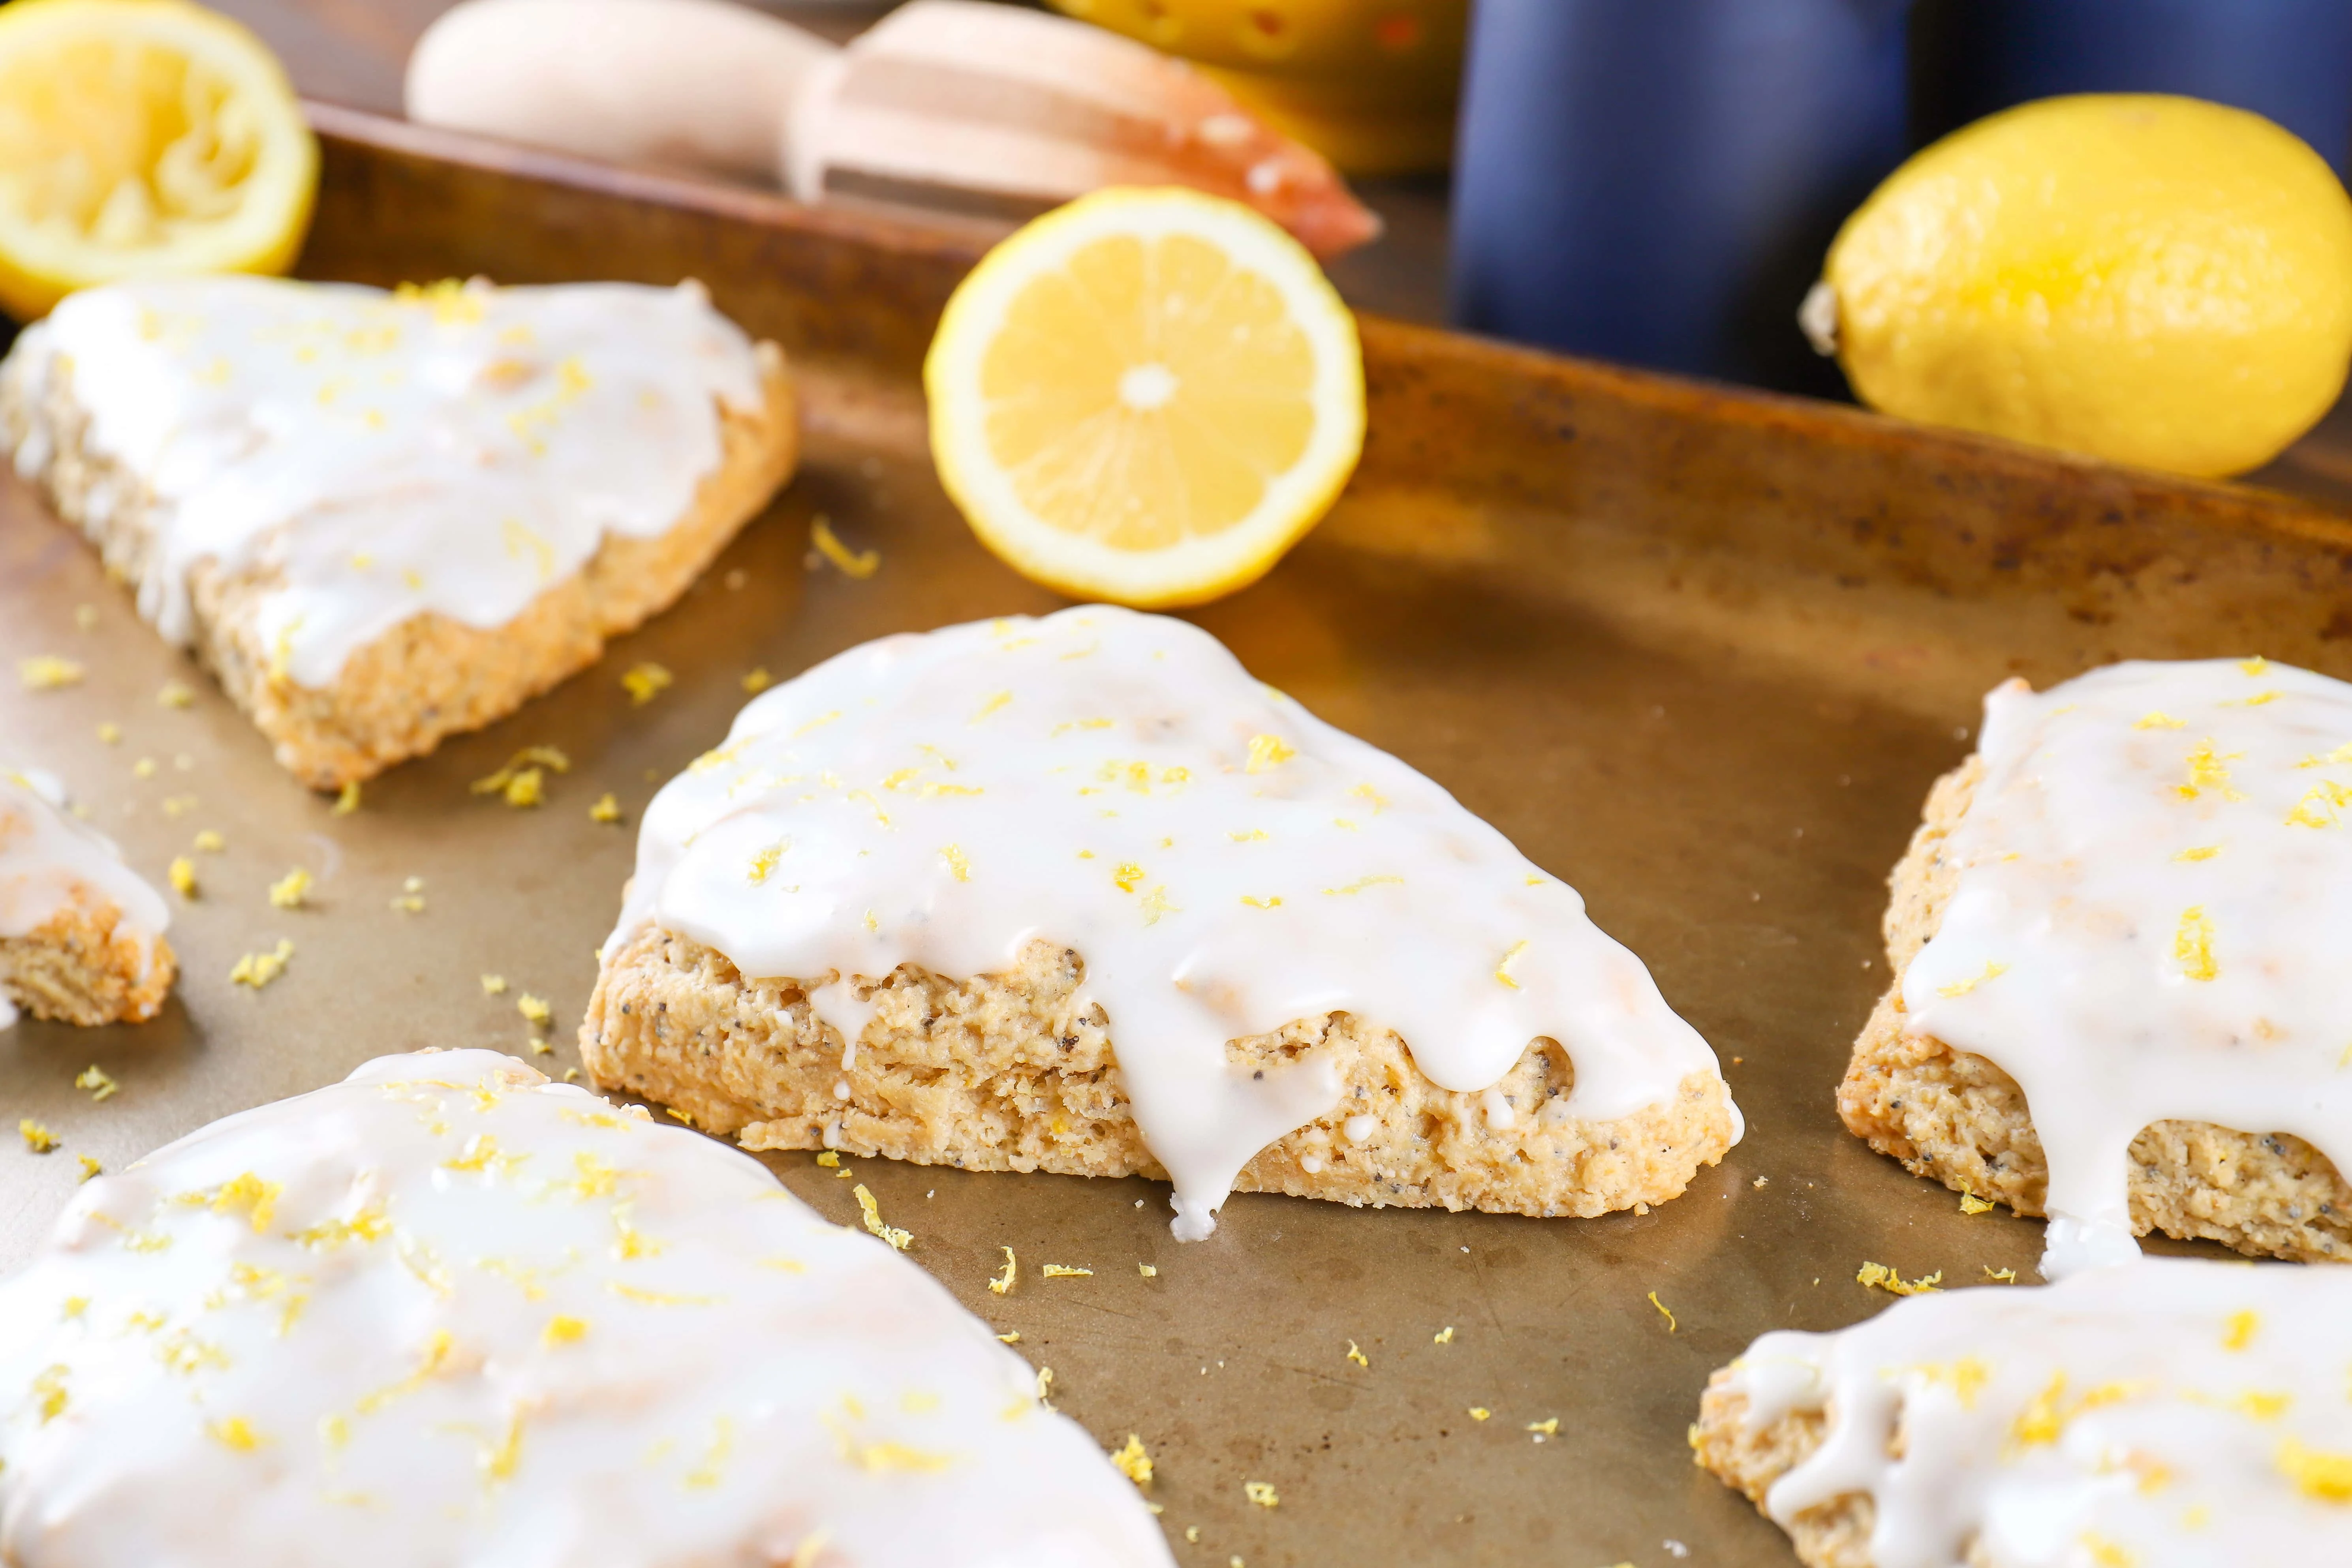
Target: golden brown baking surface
{"x": 1955, "y": 1116}
{"x": 80, "y": 965}
{"x": 430, "y": 677}
{"x": 1835, "y": 1534}
{"x": 1003, "y": 1072}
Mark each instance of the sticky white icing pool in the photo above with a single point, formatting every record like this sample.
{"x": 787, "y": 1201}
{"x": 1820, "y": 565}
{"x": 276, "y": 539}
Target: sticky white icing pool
{"x": 49, "y": 862}
{"x": 448, "y": 1312}
{"x": 446, "y": 449}
{"x": 2151, "y": 919}
{"x": 2157, "y": 1413}
{"x": 1223, "y": 860}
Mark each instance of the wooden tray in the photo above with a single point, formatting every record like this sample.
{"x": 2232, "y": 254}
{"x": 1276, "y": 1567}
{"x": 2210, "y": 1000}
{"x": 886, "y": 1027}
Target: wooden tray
{"x": 1699, "y": 652}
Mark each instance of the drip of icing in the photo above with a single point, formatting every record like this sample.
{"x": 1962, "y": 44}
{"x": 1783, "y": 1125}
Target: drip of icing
{"x": 448, "y": 1312}
{"x": 2162, "y": 1413}
{"x": 838, "y": 1005}
{"x": 2154, "y": 900}
{"x": 50, "y": 862}
{"x": 1222, "y": 861}
{"x": 445, "y": 449}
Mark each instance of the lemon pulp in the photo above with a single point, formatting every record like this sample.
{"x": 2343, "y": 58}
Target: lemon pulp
{"x": 140, "y": 136}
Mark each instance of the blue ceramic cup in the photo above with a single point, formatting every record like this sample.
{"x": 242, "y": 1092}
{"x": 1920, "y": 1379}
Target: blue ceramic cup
{"x": 1655, "y": 181}
{"x": 2287, "y": 60}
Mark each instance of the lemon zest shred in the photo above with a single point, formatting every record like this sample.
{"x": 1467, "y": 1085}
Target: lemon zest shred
{"x": 856, "y": 565}
{"x": 899, "y": 1240}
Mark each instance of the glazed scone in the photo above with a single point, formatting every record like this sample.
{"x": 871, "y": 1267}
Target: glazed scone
{"x": 82, "y": 934}
{"x": 384, "y": 518}
{"x": 2118, "y": 992}
{"x": 448, "y": 1312}
{"x": 1080, "y": 895}
{"x": 2156, "y": 1414}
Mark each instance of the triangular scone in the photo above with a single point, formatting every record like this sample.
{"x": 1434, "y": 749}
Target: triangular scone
{"x": 1077, "y": 894}
{"x": 448, "y": 1312}
{"x": 82, "y": 934}
{"x": 2159, "y": 1414}
{"x": 382, "y": 518}
{"x": 2119, "y": 995}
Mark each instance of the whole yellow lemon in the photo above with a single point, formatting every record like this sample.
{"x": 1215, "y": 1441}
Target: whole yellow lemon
{"x": 2149, "y": 280}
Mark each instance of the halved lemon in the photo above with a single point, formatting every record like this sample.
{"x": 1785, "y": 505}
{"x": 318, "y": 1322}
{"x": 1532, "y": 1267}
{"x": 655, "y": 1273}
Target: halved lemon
{"x": 139, "y": 137}
{"x": 1146, "y": 396}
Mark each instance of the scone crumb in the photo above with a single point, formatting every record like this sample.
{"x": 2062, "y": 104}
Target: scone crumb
{"x": 533, "y": 1008}
{"x": 829, "y": 1159}
{"x": 645, "y": 682}
{"x": 607, "y": 808}
{"x": 38, "y": 1138}
{"x": 208, "y": 842}
{"x": 258, "y": 969}
{"x": 347, "y": 801}
{"x": 183, "y": 873}
{"x": 672, "y": 1112}
{"x": 1444, "y": 1336}
{"x": 288, "y": 892}
{"x": 1670, "y": 1325}
{"x": 1356, "y": 1354}
{"x": 89, "y": 1167}
{"x": 1261, "y": 1493}
{"x": 1547, "y": 1427}
{"x": 1132, "y": 1461}
{"x": 899, "y": 1240}
{"x": 1479, "y": 1412}
{"x": 93, "y": 1078}
{"x": 1878, "y": 1277}
{"x": 1065, "y": 1272}
{"x": 48, "y": 672}
{"x": 1149, "y": 1271}
{"x": 144, "y": 768}
{"x": 1014, "y": 1338}
{"x": 110, "y": 733}
{"x": 2000, "y": 1276}
{"x": 174, "y": 694}
{"x": 756, "y": 679}
{"x": 1971, "y": 1204}
{"x": 1003, "y": 1283}
{"x": 494, "y": 985}
{"x": 1761, "y": 1182}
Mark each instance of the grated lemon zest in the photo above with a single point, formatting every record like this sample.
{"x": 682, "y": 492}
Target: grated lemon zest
{"x": 859, "y": 566}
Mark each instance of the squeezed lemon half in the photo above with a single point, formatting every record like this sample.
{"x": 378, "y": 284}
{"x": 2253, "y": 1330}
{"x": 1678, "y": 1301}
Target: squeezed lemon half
{"x": 139, "y": 137}
{"x": 1145, "y": 396}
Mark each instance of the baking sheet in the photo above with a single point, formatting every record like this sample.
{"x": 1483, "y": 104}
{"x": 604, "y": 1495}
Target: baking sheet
{"x": 1699, "y": 654}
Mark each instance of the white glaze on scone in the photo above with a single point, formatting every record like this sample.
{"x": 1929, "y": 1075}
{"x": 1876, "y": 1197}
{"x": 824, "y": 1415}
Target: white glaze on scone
{"x": 383, "y": 455}
{"x": 2162, "y": 1413}
{"x": 1224, "y": 861}
{"x": 2151, "y": 919}
{"x": 448, "y": 1312}
{"x": 50, "y": 862}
